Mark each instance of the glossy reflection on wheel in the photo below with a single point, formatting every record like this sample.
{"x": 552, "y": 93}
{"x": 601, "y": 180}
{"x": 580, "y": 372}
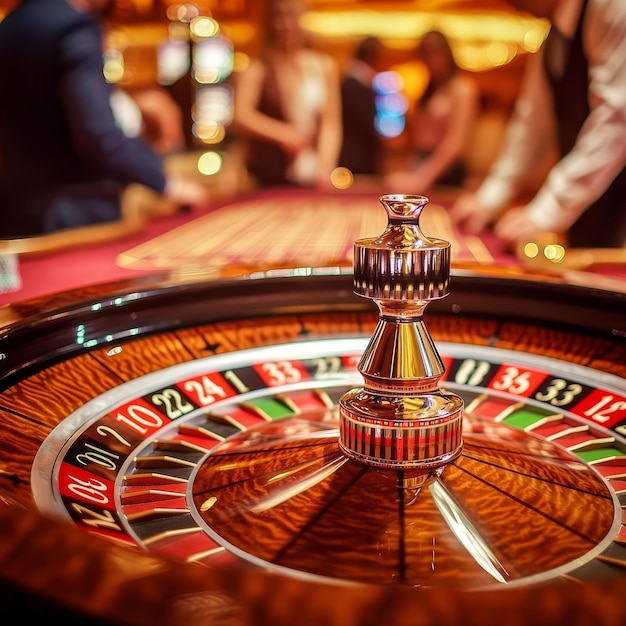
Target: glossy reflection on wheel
{"x": 513, "y": 508}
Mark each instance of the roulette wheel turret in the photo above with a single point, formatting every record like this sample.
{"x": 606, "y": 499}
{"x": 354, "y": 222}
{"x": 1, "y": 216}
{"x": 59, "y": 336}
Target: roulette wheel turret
{"x": 440, "y": 502}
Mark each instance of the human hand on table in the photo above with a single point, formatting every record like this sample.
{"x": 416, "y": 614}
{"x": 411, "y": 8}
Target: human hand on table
{"x": 469, "y": 214}
{"x": 514, "y": 226}
{"x": 293, "y": 141}
{"x": 162, "y": 120}
{"x": 185, "y": 191}
{"x": 517, "y": 226}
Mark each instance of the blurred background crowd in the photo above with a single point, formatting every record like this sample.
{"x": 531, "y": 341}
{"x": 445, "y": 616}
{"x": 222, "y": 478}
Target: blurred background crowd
{"x": 177, "y": 71}
{"x": 209, "y": 98}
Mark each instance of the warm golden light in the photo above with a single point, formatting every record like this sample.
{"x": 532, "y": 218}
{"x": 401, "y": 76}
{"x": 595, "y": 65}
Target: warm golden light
{"x": 209, "y": 132}
{"x": 531, "y": 250}
{"x": 480, "y": 40}
{"x": 203, "y": 26}
{"x": 341, "y": 178}
{"x": 113, "y": 66}
{"x": 207, "y": 75}
{"x": 182, "y": 12}
{"x": 554, "y": 252}
{"x": 210, "y": 163}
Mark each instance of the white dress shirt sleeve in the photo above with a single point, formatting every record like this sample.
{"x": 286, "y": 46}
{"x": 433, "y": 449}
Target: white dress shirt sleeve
{"x": 599, "y": 153}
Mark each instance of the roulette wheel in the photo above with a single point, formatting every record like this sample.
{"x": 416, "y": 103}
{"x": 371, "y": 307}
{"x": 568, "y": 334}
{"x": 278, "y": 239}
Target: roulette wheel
{"x": 179, "y": 449}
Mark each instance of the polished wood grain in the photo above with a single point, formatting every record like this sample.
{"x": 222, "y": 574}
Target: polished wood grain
{"x": 285, "y": 494}
{"x": 45, "y": 374}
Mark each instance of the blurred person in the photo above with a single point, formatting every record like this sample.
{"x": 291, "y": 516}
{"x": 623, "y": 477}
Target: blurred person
{"x": 287, "y": 105}
{"x": 440, "y": 125}
{"x": 573, "y": 95}
{"x": 64, "y": 160}
{"x": 362, "y": 143}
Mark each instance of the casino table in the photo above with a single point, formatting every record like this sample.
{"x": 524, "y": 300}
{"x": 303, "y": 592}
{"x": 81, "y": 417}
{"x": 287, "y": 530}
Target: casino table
{"x": 130, "y": 409}
{"x": 281, "y": 227}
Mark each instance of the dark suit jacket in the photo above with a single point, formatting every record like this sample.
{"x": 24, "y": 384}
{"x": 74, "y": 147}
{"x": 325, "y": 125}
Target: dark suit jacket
{"x": 361, "y": 141}
{"x": 57, "y": 128}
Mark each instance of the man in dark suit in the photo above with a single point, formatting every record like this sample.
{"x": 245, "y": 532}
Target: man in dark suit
{"x": 64, "y": 161}
{"x": 360, "y": 151}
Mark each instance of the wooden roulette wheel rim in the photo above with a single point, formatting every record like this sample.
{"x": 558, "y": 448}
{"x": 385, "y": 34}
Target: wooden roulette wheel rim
{"x": 89, "y": 580}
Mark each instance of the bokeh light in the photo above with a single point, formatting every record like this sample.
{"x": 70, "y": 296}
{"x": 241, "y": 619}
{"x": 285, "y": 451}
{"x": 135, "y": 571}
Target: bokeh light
{"x": 210, "y": 163}
{"x": 341, "y": 178}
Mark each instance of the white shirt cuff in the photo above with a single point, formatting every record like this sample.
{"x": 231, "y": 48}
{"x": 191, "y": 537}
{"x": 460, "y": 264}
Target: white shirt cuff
{"x": 494, "y": 194}
{"x": 545, "y": 211}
